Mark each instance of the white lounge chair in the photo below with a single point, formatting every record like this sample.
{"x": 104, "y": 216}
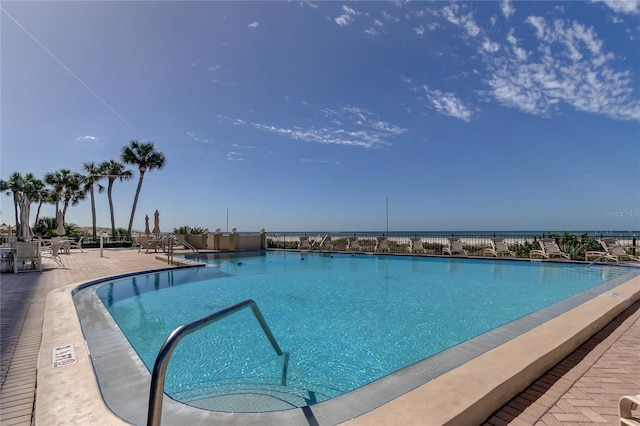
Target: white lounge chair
{"x": 353, "y": 245}
{"x": 76, "y": 244}
{"x": 454, "y": 247}
{"x": 54, "y": 253}
{"x": 326, "y": 243}
{"x": 548, "y": 250}
{"x": 304, "y": 244}
{"x": 626, "y": 405}
{"x": 499, "y": 248}
{"x": 416, "y": 246}
{"x": 612, "y": 251}
{"x": 27, "y": 253}
{"x": 382, "y": 245}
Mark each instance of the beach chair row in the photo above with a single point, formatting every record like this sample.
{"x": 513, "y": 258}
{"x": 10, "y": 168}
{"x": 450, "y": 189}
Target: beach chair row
{"x": 611, "y": 251}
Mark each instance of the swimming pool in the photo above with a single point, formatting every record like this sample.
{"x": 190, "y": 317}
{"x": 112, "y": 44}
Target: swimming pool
{"x": 346, "y": 320}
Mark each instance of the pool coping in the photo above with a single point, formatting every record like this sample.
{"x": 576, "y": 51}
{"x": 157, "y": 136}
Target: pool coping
{"x": 473, "y": 390}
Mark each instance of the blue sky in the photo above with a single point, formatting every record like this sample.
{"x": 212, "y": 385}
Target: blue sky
{"x": 311, "y": 115}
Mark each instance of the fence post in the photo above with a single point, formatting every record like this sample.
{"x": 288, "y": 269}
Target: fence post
{"x": 633, "y": 243}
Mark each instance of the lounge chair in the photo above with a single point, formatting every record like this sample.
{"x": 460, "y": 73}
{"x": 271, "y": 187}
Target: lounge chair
{"x": 454, "y": 247}
{"x": 143, "y": 242}
{"x": 54, "y": 251}
{"x": 304, "y": 244}
{"x": 612, "y": 251}
{"x": 499, "y": 248}
{"x": 326, "y": 243}
{"x": 27, "y": 253}
{"x": 76, "y": 244}
{"x": 416, "y": 246}
{"x": 382, "y": 244}
{"x": 548, "y": 250}
{"x": 626, "y": 405}
{"x": 353, "y": 245}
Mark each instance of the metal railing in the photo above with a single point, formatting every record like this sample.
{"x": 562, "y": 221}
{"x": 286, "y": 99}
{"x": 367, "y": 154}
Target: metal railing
{"x": 156, "y": 391}
{"x": 170, "y": 247}
{"x": 476, "y": 244}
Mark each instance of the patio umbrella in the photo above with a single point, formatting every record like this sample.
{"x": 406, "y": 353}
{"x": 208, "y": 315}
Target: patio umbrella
{"x": 156, "y": 223}
{"x": 60, "y": 224}
{"x": 24, "y": 231}
{"x": 146, "y": 225}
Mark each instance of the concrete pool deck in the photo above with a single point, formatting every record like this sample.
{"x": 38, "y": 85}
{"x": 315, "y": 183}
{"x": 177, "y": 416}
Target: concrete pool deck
{"x": 582, "y": 388}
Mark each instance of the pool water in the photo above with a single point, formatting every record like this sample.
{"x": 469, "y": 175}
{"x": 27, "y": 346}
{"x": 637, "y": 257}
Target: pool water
{"x": 345, "y": 320}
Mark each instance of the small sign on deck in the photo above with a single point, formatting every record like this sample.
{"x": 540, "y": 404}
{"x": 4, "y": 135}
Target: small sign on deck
{"x": 64, "y": 355}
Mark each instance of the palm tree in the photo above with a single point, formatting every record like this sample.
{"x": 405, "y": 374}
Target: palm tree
{"x": 88, "y": 181}
{"x": 145, "y": 156}
{"x": 72, "y": 193}
{"x": 13, "y": 186}
{"x": 58, "y": 180}
{"x": 45, "y": 195}
{"x": 31, "y": 187}
{"x": 114, "y": 170}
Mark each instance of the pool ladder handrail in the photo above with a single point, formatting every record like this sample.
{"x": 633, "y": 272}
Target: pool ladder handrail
{"x": 156, "y": 391}
{"x": 173, "y": 238}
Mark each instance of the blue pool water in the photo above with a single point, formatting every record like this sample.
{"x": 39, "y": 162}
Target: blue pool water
{"x": 345, "y": 320}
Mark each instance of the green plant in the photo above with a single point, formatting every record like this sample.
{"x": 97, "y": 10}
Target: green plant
{"x": 186, "y": 229}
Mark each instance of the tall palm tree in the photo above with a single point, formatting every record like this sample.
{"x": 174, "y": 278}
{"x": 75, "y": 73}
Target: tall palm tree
{"x": 58, "y": 180}
{"x": 114, "y": 171}
{"x": 13, "y": 186}
{"x": 45, "y": 195}
{"x": 88, "y": 181}
{"x": 72, "y": 193}
{"x": 145, "y": 156}
{"x": 31, "y": 187}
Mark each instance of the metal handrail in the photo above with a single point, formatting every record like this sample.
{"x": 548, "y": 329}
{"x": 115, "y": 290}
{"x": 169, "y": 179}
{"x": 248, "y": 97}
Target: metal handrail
{"x": 170, "y": 247}
{"x": 156, "y": 391}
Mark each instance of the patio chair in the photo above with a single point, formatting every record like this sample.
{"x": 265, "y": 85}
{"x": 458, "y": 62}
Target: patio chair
{"x": 353, "y": 245}
{"x": 304, "y": 244}
{"x": 548, "y": 250}
{"x": 499, "y": 248}
{"x": 626, "y": 405}
{"x": 143, "y": 242}
{"x": 76, "y": 244}
{"x": 326, "y": 243}
{"x": 382, "y": 245}
{"x": 416, "y": 246}
{"x": 27, "y": 253}
{"x": 54, "y": 253}
{"x": 454, "y": 247}
{"x": 613, "y": 251}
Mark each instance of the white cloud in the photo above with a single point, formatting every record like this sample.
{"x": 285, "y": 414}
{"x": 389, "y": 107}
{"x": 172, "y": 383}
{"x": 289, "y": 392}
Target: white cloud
{"x": 490, "y": 46}
{"x": 344, "y": 125}
{"x": 87, "y": 138}
{"x": 507, "y": 9}
{"x": 447, "y": 104}
{"x": 254, "y": 24}
{"x": 420, "y": 30}
{"x": 569, "y": 66}
{"x": 343, "y": 20}
{"x": 624, "y": 6}
{"x": 347, "y": 17}
{"x": 453, "y": 14}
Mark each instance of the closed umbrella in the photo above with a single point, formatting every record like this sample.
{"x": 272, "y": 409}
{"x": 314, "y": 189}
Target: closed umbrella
{"x": 147, "y": 231}
{"x": 60, "y": 224}
{"x": 24, "y": 231}
{"x": 156, "y": 223}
